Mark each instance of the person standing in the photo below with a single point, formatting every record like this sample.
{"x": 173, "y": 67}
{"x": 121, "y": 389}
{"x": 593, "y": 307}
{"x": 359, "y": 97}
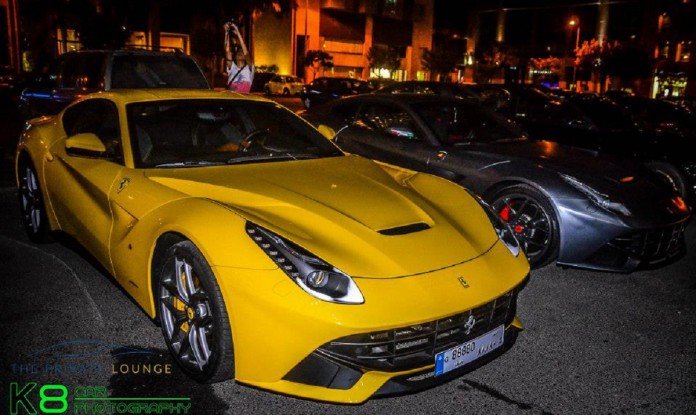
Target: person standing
{"x": 240, "y": 67}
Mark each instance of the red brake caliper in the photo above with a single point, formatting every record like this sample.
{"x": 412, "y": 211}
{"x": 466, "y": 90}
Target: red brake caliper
{"x": 505, "y": 215}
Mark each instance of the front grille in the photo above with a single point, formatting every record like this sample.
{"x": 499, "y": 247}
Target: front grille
{"x": 414, "y": 346}
{"x": 653, "y": 245}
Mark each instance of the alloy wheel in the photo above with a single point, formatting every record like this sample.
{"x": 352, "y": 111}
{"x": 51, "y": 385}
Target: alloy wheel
{"x": 186, "y": 315}
{"x": 530, "y": 223}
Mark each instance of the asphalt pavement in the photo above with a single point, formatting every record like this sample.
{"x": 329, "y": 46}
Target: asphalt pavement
{"x": 594, "y": 343}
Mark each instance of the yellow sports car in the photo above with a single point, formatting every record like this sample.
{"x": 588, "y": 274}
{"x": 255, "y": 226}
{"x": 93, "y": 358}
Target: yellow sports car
{"x": 267, "y": 255}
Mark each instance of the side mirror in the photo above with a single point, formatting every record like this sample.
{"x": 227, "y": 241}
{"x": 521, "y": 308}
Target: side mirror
{"x": 327, "y": 131}
{"x": 85, "y": 144}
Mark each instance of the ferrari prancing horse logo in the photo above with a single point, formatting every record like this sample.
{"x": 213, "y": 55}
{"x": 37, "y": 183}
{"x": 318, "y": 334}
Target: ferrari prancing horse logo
{"x": 122, "y": 185}
{"x": 463, "y": 282}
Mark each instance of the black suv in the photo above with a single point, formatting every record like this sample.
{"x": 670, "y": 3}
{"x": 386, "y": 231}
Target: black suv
{"x": 75, "y": 74}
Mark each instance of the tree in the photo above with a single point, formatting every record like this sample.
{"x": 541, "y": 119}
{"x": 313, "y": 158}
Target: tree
{"x": 627, "y": 62}
{"x": 384, "y": 57}
{"x": 317, "y": 59}
{"x": 492, "y": 59}
{"x": 440, "y": 62}
{"x": 547, "y": 69}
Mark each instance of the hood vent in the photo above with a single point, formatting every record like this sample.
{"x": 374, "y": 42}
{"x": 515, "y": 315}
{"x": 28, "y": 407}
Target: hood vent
{"x": 403, "y": 230}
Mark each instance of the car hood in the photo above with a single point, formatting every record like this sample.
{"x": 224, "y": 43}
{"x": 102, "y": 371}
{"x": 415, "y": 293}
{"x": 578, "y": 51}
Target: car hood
{"x": 349, "y": 211}
{"x": 622, "y": 180}
{"x": 560, "y": 158}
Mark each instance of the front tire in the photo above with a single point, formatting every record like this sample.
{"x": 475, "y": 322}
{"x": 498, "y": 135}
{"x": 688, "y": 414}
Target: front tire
{"x": 672, "y": 174}
{"x": 533, "y": 221}
{"x": 31, "y": 204}
{"x": 193, "y": 316}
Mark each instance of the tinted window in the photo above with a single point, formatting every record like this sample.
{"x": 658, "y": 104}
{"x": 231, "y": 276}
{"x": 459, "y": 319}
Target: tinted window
{"x": 345, "y": 110}
{"x": 454, "y": 123}
{"x": 99, "y": 117}
{"x": 69, "y": 72}
{"x": 52, "y": 75}
{"x": 391, "y": 120}
{"x": 605, "y": 114}
{"x": 92, "y": 71}
{"x": 159, "y": 71}
{"x": 179, "y": 133}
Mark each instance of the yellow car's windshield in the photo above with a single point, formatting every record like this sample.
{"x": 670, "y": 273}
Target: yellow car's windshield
{"x": 200, "y": 132}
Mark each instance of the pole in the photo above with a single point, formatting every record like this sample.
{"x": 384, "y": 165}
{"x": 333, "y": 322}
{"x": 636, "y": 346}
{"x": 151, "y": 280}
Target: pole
{"x": 575, "y": 66}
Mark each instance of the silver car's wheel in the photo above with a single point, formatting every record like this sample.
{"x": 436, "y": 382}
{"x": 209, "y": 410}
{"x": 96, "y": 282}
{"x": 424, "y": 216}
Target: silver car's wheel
{"x": 192, "y": 312}
{"x": 672, "y": 176}
{"x": 31, "y": 204}
{"x": 533, "y": 221}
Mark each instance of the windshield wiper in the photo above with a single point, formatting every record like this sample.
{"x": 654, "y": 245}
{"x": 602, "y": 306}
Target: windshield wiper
{"x": 190, "y": 164}
{"x": 272, "y": 157}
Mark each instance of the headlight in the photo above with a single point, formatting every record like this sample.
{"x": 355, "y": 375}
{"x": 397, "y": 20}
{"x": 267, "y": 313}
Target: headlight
{"x": 313, "y": 275}
{"x": 505, "y": 233}
{"x": 600, "y": 199}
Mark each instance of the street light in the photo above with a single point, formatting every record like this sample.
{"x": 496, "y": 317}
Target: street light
{"x": 574, "y": 23}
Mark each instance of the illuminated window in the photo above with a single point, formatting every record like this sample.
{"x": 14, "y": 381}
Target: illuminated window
{"x": 664, "y": 50}
{"x": 663, "y": 22}
{"x": 683, "y": 52}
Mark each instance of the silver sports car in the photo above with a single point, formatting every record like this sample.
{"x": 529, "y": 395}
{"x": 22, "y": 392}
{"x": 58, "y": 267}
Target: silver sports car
{"x": 567, "y": 205}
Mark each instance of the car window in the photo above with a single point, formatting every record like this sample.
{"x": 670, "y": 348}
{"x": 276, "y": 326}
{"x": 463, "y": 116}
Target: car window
{"x": 345, "y": 110}
{"x": 176, "y": 133}
{"x": 605, "y": 114}
{"x": 454, "y": 123}
{"x": 92, "y": 71}
{"x": 156, "y": 71}
{"x": 538, "y": 107}
{"x": 100, "y": 117}
{"x": 52, "y": 75}
{"x": 391, "y": 120}
{"x": 69, "y": 73}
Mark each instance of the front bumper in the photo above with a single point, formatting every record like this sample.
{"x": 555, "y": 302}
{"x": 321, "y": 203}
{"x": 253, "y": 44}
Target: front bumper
{"x": 592, "y": 238}
{"x": 279, "y": 330}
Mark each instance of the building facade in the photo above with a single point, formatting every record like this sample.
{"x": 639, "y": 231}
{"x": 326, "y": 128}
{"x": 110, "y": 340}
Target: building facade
{"x": 346, "y": 30}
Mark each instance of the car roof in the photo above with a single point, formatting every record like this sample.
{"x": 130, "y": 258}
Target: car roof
{"x": 176, "y": 52}
{"x": 126, "y": 96}
{"x": 406, "y": 98}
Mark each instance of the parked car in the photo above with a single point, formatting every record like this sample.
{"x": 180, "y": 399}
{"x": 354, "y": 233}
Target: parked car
{"x": 267, "y": 254}
{"x": 284, "y": 85}
{"x": 661, "y": 117}
{"x": 11, "y": 81}
{"x": 325, "y": 89}
{"x": 75, "y": 74}
{"x": 445, "y": 89}
{"x": 598, "y": 124}
{"x": 566, "y": 205}
{"x": 659, "y": 133}
{"x": 258, "y": 84}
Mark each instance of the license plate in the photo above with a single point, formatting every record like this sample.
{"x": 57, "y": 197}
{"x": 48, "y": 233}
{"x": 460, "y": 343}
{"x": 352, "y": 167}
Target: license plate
{"x": 469, "y": 351}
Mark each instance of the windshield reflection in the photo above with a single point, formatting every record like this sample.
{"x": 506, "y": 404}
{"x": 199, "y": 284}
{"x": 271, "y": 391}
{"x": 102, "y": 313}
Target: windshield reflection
{"x": 460, "y": 124}
{"x": 195, "y": 133}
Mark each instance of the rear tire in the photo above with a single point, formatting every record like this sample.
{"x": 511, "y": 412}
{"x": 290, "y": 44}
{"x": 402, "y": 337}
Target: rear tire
{"x": 193, "y": 316}
{"x": 533, "y": 221}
